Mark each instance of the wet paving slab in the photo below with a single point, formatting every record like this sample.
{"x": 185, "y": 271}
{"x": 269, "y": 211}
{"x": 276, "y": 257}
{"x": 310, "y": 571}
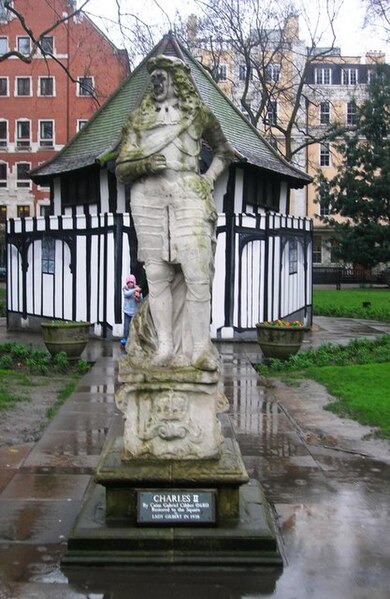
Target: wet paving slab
{"x": 330, "y": 504}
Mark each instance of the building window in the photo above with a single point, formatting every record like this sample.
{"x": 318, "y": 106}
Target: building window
{"x": 351, "y": 113}
{"x": 3, "y": 86}
{"x": 85, "y": 86}
{"x": 22, "y": 177}
{"x": 24, "y": 45}
{"x": 272, "y": 114}
{"x": 46, "y": 133}
{"x": 46, "y": 86}
{"x": 323, "y": 76}
{"x": 317, "y": 250}
{"x": 47, "y": 45}
{"x": 334, "y": 246}
{"x": 23, "y": 86}
{"x": 272, "y": 72}
{"x": 242, "y": 72}
{"x": 3, "y": 134}
{"x": 222, "y": 72}
{"x": 3, "y": 215}
{"x": 22, "y": 211}
{"x": 48, "y": 255}
{"x": 292, "y": 257}
{"x": 325, "y": 113}
{"x": 44, "y": 210}
{"x": 3, "y": 45}
{"x": 259, "y": 191}
{"x": 324, "y": 155}
{"x": 349, "y": 76}
{"x": 81, "y": 123}
{"x": 324, "y": 206}
{"x": 3, "y": 174}
{"x": 23, "y": 134}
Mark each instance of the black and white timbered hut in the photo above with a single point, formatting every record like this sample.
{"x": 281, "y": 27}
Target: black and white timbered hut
{"x": 71, "y": 265}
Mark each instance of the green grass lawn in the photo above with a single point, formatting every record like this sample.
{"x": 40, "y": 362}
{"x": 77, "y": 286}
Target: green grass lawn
{"x": 357, "y": 375}
{"x": 363, "y": 392}
{"x": 349, "y": 303}
{"x": 22, "y": 368}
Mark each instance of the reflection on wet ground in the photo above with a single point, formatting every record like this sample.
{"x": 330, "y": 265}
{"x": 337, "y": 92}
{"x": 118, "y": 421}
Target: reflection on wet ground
{"x": 331, "y": 506}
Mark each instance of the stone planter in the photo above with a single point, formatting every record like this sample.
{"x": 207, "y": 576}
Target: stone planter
{"x": 65, "y": 336}
{"x": 280, "y": 342}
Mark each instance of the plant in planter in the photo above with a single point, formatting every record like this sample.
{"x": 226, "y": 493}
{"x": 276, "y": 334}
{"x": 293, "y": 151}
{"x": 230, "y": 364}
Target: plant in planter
{"x": 280, "y": 338}
{"x": 67, "y": 336}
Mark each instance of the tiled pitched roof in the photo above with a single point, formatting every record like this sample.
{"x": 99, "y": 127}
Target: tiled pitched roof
{"x": 102, "y": 134}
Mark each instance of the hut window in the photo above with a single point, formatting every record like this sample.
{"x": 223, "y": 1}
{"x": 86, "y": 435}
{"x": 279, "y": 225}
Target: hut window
{"x": 80, "y": 187}
{"x": 261, "y": 190}
{"x": 292, "y": 256}
{"x": 48, "y": 255}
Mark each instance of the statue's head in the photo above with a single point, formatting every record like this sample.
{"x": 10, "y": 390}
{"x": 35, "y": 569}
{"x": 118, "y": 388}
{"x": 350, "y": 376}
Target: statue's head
{"x": 170, "y": 77}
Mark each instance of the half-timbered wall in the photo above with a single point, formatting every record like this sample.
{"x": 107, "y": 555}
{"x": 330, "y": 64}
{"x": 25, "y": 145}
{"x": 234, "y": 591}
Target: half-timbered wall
{"x": 73, "y": 267}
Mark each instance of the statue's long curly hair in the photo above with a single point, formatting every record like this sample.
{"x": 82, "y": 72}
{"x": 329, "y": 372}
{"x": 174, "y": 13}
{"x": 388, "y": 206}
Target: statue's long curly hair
{"x": 184, "y": 88}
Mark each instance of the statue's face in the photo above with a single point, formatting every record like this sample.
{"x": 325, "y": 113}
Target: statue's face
{"x": 161, "y": 84}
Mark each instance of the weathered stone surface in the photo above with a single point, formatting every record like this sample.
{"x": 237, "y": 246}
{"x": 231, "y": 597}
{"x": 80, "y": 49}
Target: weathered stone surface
{"x": 174, "y": 216}
{"x": 172, "y": 419}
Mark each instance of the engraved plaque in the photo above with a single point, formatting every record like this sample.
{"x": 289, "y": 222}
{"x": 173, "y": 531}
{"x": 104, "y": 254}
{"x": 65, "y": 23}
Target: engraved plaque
{"x": 170, "y": 507}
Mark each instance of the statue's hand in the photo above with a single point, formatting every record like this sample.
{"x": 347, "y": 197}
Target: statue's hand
{"x": 209, "y": 180}
{"x": 158, "y": 163}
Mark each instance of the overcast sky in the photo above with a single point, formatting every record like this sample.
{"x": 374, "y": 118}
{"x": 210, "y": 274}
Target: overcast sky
{"x": 350, "y": 37}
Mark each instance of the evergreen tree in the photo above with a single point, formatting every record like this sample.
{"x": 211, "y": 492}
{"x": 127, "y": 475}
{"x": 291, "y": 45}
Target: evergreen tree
{"x": 360, "y": 191}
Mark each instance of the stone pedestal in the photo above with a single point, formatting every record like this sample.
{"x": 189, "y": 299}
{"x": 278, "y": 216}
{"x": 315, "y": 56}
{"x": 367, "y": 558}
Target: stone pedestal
{"x": 108, "y": 531}
{"x": 170, "y": 414}
{"x": 144, "y": 508}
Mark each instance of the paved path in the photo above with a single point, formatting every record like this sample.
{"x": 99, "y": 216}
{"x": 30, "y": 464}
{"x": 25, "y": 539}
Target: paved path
{"x": 331, "y": 503}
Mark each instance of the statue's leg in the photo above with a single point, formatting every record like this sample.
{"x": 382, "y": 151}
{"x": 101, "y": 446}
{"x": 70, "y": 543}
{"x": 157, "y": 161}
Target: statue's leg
{"x": 160, "y": 276}
{"x": 197, "y": 277}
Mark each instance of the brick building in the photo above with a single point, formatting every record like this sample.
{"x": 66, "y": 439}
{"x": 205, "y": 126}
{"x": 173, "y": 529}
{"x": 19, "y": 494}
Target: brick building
{"x": 334, "y": 85}
{"x": 41, "y": 106}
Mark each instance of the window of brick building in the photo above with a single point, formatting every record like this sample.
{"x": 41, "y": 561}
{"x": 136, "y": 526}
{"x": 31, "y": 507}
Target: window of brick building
{"x": 323, "y": 76}
{"x": 324, "y": 207}
{"x": 351, "y": 113}
{"x": 81, "y": 123}
{"x": 222, "y": 72}
{"x": 272, "y": 112}
{"x": 325, "y": 113}
{"x": 317, "y": 250}
{"x": 85, "y": 86}
{"x": 242, "y": 71}
{"x": 47, "y": 44}
{"x": 3, "y": 134}
{"x": 349, "y": 76}
{"x": 46, "y": 86}
{"x": 3, "y": 215}
{"x": 22, "y": 177}
{"x": 24, "y": 45}
{"x": 46, "y": 133}
{"x": 23, "y": 134}
{"x": 23, "y": 86}
{"x": 324, "y": 154}
{"x": 272, "y": 72}
{"x": 3, "y": 174}
{"x": 22, "y": 211}
{"x": 3, "y": 45}
{"x": 3, "y": 86}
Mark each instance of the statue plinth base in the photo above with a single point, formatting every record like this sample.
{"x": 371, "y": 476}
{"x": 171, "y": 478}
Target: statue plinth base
{"x": 170, "y": 413}
{"x": 173, "y": 490}
{"x": 108, "y": 530}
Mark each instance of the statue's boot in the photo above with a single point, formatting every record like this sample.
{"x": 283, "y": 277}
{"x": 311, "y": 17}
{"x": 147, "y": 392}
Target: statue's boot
{"x": 204, "y": 355}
